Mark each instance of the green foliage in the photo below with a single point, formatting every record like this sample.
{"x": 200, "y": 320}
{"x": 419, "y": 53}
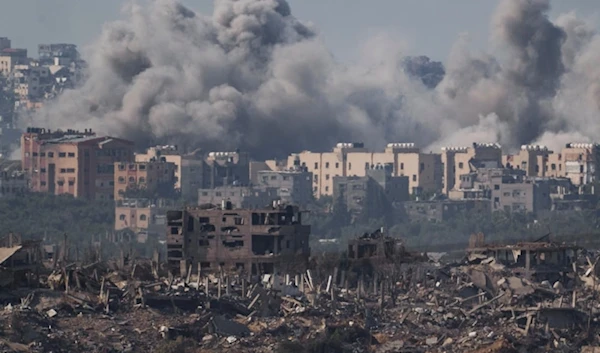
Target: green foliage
{"x": 36, "y": 215}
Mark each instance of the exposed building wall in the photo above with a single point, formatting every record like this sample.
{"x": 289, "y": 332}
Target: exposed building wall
{"x": 255, "y": 240}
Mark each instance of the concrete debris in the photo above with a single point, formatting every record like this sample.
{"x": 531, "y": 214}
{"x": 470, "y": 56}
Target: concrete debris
{"x": 414, "y": 304}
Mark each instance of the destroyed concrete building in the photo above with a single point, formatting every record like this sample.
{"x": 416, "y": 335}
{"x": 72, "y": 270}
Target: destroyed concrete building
{"x": 374, "y": 245}
{"x": 539, "y": 259}
{"x": 260, "y": 241}
{"x": 19, "y": 260}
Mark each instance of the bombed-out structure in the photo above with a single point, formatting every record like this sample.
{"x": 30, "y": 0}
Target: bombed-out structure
{"x": 251, "y": 240}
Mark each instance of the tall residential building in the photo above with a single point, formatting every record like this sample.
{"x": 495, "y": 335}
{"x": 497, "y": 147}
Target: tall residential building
{"x": 293, "y": 186}
{"x": 10, "y": 57}
{"x": 72, "y": 162}
{"x": 152, "y": 179}
{"x": 462, "y": 160}
{"x": 65, "y": 53}
{"x": 581, "y": 162}
{"x": 31, "y": 81}
{"x": 189, "y": 168}
{"x": 424, "y": 170}
{"x": 533, "y": 159}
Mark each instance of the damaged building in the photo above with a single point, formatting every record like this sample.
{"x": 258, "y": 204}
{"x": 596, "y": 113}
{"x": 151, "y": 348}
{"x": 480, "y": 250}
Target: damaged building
{"x": 259, "y": 240}
{"x": 540, "y": 259}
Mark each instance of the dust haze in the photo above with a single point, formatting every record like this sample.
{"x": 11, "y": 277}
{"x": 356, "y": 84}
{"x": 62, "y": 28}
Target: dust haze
{"x": 254, "y": 77}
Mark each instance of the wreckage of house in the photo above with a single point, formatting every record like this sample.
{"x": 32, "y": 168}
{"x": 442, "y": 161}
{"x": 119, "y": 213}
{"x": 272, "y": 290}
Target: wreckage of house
{"x": 19, "y": 260}
{"x": 249, "y": 240}
{"x": 373, "y": 246}
{"x": 529, "y": 259}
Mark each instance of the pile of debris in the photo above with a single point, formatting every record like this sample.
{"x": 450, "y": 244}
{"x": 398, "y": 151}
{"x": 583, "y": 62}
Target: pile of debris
{"x": 533, "y": 297}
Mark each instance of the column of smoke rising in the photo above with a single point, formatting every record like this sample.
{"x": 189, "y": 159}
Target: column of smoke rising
{"x": 254, "y": 77}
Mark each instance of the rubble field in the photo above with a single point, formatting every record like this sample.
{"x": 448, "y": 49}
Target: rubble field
{"x": 478, "y": 304}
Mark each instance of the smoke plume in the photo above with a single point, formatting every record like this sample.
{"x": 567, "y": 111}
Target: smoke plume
{"x": 254, "y": 77}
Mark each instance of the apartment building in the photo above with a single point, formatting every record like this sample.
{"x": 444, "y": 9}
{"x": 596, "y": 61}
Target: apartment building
{"x": 457, "y": 161}
{"x": 31, "y": 81}
{"x": 150, "y": 179}
{"x": 72, "y": 162}
{"x": 424, "y": 170}
{"x": 376, "y": 192}
{"x": 9, "y": 57}
{"x": 268, "y": 240}
{"x": 534, "y": 160}
{"x": 189, "y": 167}
{"x": 12, "y": 183}
{"x": 580, "y": 162}
{"x": 141, "y": 216}
{"x": 293, "y": 186}
{"x": 227, "y": 168}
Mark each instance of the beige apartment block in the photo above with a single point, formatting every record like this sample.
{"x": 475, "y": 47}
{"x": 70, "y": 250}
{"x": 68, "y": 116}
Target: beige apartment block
{"x": 457, "y": 161}
{"x": 189, "y": 167}
{"x": 155, "y": 177}
{"x": 72, "y": 162}
{"x": 580, "y": 162}
{"x": 534, "y": 160}
{"x": 353, "y": 159}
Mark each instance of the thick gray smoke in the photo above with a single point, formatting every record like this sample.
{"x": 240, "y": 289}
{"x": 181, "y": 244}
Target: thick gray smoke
{"x": 254, "y": 77}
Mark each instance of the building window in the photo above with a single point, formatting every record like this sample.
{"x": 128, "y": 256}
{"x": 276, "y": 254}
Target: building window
{"x": 60, "y": 183}
{"x": 132, "y": 167}
{"x": 349, "y": 166}
{"x": 496, "y": 199}
{"x": 63, "y": 170}
{"x": 70, "y": 170}
{"x": 35, "y": 154}
{"x": 43, "y": 183}
{"x": 285, "y": 177}
{"x": 121, "y": 180}
{"x": 537, "y": 168}
{"x": 326, "y": 176}
{"x": 316, "y": 165}
{"x": 273, "y": 177}
{"x": 122, "y": 217}
{"x": 121, "y": 166}
{"x": 553, "y": 166}
{"x": 50, "y": 154}
{"x": 71, "y": 154}
{"x": 43, "y": 170}
{"x": 142, "y": 167}
{"x": 142, "y": 180}
{"x": 496, "y": 187}
{"x": 414, "y": 177}
{"x": 62, "y": 154}
{"x": 218, "y": 193}
{"x": 42, "y": 154}
{"x": 337, "y": 165}
{"x": 132, "y": 179}
{"x": 326, "y": 165}
{"x": 326, "y": 188}
{"x": 460, "y": 165}
{"x": 143, "y": 217}
{"x": 422, "y": 167}
{"x": 204, "y": 193}
{"x": 71, "y": 182}
{"x": 402, "y": 166}
{"x": 315, "y": 189}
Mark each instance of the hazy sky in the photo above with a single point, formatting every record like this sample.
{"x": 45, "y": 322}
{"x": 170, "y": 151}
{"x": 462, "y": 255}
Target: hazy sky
{"x": 427, "y": 27}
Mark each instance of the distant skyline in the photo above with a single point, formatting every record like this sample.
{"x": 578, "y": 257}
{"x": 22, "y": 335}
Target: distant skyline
{"x": 425, "y": 27}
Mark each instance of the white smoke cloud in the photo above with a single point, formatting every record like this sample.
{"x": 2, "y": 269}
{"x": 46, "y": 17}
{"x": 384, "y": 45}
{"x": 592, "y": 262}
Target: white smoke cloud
{"x": 254, "y": 77}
